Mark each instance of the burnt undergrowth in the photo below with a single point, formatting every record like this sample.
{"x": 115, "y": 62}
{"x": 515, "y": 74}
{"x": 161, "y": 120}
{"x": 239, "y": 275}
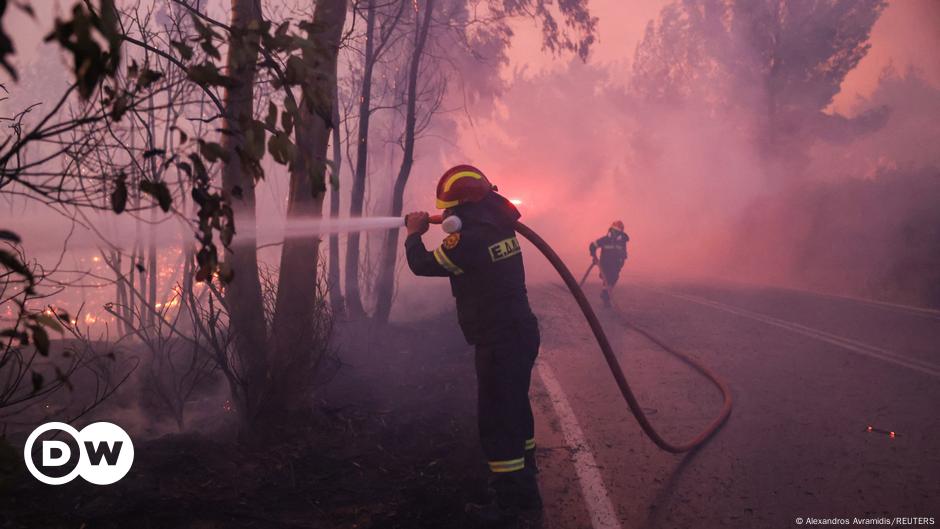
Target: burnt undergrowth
{"x": 392, "y": 443}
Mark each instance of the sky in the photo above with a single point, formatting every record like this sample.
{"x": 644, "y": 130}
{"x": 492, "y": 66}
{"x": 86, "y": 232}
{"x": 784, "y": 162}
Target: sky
{"x": 906, "y": 35}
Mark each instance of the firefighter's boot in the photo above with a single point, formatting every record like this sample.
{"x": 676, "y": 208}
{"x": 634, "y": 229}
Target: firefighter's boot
{"x": 516, "y": 501}
{"x": 605, "y": 297}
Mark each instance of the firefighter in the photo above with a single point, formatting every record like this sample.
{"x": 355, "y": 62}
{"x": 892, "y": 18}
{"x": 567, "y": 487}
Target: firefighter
{"x": 484, "y": 263}
{"x": 613, "y": 248}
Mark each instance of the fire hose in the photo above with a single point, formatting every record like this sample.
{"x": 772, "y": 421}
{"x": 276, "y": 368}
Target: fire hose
{"x": 614, "y": 364}
{"x": 453, "y": 224}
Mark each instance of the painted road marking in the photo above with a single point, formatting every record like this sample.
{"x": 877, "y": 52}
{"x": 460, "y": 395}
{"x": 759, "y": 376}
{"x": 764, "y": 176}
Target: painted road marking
{"x": 589, "y": 477}
{"x": 845, "y": 343}
{"x": 932, "y": 314}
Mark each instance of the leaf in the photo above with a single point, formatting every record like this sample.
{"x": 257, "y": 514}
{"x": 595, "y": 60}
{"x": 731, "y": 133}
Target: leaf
{"x": 210, "y": 49}
{"x": 148, "y": 77}
{"x": 40, "y": 339}
{"x": 119, "y": 196}
{"x": 140, "y": 268}
{"x": 295, "y": 71}
{"x": 153, "y": 152}
{"x": 8, "y": 235}
{"x": 226, "y": 234}
{"x": 281, "y": 148}
{"x": 47, "y": 320}
{"x": 185, "y": 50}
{"x": 159, "y": 191}
{"x": 186, "y": 168}
{"x": 287, "y": 121}
{"x": 120, "y": 106}
{"x": 205, "y": 32}
{"x": 271, "y": 121}
{"x": 207, "y": 74}
{"x": 14, "y": 264}
{"x": 226, "y": 273}
{"x": 37, "y": 381}
{"x": 212, "y": 151}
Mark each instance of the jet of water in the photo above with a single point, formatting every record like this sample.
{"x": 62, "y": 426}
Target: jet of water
{"x": 326, "y": 226}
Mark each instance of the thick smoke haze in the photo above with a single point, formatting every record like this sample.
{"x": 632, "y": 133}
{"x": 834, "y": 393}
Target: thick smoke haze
{"x": 840, "y": 210}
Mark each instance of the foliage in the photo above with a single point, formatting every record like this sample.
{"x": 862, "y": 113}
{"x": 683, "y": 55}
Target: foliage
{"x": 776, "y": 63}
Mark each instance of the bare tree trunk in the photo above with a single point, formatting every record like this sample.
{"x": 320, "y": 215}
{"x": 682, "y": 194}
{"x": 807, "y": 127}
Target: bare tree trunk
{"x": 152, "y": 268}
{"x": 121, "y": 290}
{"x": 243, "y": 294}
{"x": 353, "y": 298}
{"x": 336, "y": 293}
{"x": 386, "y": 280}
{"x": 293, "y": 362}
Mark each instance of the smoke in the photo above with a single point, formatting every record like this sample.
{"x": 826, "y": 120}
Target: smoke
{"x": 824, "y": 192}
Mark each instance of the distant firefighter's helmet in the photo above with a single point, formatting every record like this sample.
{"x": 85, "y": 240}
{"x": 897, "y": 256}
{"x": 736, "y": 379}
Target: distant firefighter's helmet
{"x": 462, "y": 184}
{"x": 618, "y": 224}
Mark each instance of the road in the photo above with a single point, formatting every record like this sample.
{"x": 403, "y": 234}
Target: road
{"x": 807, "y": 372}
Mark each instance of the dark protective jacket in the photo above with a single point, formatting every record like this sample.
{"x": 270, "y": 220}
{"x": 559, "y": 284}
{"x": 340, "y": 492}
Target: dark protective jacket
{"x": 613, "y": 248}
{"x": 484, "y": 263}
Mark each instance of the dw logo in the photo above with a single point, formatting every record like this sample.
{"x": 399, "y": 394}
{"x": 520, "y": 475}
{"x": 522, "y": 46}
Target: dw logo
{"x": 101, "y": 453}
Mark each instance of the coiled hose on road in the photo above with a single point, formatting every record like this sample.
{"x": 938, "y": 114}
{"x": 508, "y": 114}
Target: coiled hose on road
{"x": 614, "y": 364}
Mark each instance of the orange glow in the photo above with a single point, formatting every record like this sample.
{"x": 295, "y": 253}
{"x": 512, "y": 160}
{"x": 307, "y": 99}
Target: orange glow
{"x": 891, "y": 435}
{"x": 869, "y": 428}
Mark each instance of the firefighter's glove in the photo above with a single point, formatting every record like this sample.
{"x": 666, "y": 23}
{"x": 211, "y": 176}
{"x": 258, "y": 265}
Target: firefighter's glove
{"x": 417, "y": 222}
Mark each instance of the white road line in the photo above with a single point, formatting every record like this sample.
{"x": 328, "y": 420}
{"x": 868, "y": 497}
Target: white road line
{"x": 892, "y": 307}
{"x": 593, "y": 491}
{"x": 845, "y": 343}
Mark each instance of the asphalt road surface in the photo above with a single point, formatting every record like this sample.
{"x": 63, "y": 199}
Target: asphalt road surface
{"x": 808, "y": 373}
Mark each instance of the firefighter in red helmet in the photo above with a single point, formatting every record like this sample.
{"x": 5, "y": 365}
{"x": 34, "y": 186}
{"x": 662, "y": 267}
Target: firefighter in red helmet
{"x": 613, "y": 247}
{"x": 483, "y": 260}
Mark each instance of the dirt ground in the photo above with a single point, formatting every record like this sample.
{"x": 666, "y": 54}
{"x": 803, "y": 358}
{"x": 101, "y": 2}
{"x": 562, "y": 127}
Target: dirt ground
{"x": 393, "y": 444}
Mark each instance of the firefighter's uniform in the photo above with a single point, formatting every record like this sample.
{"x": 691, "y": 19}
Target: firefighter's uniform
{"x": 484, "y": 263}
{"x": 613, "y": 247}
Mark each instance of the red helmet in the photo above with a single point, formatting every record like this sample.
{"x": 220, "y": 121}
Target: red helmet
{"x": 617, "y": 224}
{"x": 462, "y": 184}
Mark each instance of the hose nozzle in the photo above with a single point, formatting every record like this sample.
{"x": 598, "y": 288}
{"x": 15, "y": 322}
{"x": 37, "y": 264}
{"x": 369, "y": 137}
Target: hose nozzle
{"x": 450, "y": 224}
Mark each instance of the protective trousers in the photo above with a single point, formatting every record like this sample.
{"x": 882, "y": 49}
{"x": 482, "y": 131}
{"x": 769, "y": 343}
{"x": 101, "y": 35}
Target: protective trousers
{"x": 507, "y": 429}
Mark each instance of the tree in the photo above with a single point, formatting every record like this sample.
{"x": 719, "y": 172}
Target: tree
{"x": 473, "y": 38}
{"x": 374, "y": 48}
{"x": 270, "y": 357}
{"x": 387, "y": 269}
{"x": 778, "y": 64}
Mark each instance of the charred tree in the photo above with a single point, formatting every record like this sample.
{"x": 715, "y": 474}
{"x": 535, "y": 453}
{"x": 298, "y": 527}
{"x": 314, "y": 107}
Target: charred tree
{"x": 294, "y": 355}
{"x": 243, "y": 293}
